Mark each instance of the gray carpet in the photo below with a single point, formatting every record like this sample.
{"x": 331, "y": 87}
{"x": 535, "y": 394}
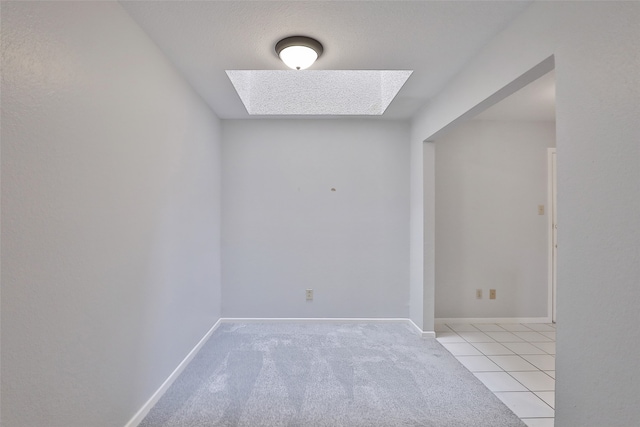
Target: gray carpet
{"x": 326, "y": 374}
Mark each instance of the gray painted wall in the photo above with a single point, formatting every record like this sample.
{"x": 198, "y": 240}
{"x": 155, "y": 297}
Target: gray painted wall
{"x": 285, "y": 230}
{"x": 597, "y": 88}
{"x": 490, "y": 177}
{"x": 110, "y": 216}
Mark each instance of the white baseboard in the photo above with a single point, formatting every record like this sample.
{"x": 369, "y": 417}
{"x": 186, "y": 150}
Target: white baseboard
{"x": 313, "y": 319}
{"x": 423, "y": 334}
{"x": 493, "y": 320}
{"x": 139, "y": 416}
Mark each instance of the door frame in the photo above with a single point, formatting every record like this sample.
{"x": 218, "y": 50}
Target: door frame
{"x": 552, "y": 202}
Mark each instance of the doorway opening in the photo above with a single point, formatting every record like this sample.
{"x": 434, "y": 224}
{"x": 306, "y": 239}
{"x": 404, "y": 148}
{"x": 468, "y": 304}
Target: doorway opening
{"x": 523, "y": 270}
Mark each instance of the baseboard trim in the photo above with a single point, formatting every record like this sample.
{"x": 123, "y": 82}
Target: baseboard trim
{"x": 139, "y": 416}
{"x": 313, "y": 319}
{"x": 423, "y": 334}
{"x": 493, "y": 320}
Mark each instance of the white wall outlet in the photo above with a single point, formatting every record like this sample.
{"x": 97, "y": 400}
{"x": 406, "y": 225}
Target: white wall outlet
{"x": 478, "y": 293}
{"x": 540, "y": 209}
{"x": 309, "y": 294}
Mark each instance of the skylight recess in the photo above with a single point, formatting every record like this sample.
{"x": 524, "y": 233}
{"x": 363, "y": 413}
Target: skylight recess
{"x": 317, "y": 92}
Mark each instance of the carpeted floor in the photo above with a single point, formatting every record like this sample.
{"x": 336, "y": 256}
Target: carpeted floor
{"x": 326, "y": 374}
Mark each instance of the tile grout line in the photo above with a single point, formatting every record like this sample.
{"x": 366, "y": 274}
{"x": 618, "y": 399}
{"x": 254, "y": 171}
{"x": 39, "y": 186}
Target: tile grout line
{"x": 513, "y": 353}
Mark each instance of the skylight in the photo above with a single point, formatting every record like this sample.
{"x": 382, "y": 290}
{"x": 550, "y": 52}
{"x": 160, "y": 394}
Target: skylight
{"x": 317, "y": 92}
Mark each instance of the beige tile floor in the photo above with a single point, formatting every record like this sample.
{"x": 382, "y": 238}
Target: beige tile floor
{"x": 515, "y": 361}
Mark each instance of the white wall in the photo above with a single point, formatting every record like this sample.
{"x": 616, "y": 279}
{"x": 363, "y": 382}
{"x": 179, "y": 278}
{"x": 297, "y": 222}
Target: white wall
{"x": 428, "y": 230}
{"x": 595, "y": 46}
{"x": 284, "y": 230}
{"x": 416, "y": 234}
{"x": 110, "y": 216}
{"x": 490, "y": 177}
{"x": 422, "y": 227}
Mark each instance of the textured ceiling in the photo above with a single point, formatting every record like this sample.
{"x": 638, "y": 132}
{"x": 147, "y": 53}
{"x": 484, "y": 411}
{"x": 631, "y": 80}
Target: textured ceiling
{"x": 433, "y": 38}
{"x": 317, "y": 92}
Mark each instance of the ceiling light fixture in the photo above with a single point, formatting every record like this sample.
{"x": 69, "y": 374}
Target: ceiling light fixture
{"x": 299, "y": 52}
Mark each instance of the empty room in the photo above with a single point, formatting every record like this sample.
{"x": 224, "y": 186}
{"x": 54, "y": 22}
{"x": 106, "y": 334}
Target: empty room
{"x": 201, "y": 228}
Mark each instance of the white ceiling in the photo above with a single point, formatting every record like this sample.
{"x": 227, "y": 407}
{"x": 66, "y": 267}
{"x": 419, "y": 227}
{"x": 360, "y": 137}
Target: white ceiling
{"x": 433, "y": 38}
{"x": 534, "y": 102}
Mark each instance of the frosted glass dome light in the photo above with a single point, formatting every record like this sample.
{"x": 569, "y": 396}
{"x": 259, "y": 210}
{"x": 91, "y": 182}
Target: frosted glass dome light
{"x": 298, "y": 57}
{"x": 298, "y": 52}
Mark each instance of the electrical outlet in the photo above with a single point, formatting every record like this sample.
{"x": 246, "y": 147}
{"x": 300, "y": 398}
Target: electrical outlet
{"x": 492, "y": 294}
{"x": 478, "y": 293}
{"x": 540, "y": 209}
{"x": 309, "y": 294}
